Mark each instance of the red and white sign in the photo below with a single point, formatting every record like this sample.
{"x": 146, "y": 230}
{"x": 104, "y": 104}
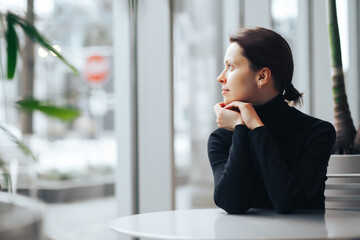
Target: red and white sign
{"x": 97, "y": 69}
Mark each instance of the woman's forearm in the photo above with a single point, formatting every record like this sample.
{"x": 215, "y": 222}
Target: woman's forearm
{"x": 289, "y": 189}
{"x": 232, "y": 169}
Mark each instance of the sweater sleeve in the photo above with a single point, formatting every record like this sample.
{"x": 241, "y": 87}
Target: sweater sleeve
{"x": 229, "y": 156}
{"x": 289, "y": 189}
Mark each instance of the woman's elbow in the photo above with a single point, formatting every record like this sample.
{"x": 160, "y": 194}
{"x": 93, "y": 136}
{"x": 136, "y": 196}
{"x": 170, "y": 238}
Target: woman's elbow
{"x": 285, "y": 207}
{"x": 236, "y": 210}
{"x": 231, "y": 207}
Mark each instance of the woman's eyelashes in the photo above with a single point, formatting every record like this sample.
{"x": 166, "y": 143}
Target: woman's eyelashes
{"x": 228, "y": 66}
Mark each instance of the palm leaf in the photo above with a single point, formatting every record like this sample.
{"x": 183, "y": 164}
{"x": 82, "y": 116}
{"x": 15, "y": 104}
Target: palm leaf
{"x": 33, "y": 34}
{"x": 2, "y": 26}
{"x": 62, "y": 113}
{"x": 6, "y": 176}
{"x": 12, "y": 48}
{"x": 26, "y": 150}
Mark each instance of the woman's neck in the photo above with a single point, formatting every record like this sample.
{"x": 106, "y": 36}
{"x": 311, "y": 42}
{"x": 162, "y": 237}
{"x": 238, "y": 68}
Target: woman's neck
{"x": 265, "y": 97}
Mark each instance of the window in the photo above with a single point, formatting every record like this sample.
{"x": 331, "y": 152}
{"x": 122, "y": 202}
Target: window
{"x": 76, "y": 159}
{"x": 197, "y": 41}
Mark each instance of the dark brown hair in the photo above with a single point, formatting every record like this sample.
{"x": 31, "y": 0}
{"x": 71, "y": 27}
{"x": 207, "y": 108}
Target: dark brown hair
{"x": 265, "y": 48}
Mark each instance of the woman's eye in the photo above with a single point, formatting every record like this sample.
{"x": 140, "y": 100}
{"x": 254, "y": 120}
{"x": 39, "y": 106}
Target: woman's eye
{"x": 230, "y": 67}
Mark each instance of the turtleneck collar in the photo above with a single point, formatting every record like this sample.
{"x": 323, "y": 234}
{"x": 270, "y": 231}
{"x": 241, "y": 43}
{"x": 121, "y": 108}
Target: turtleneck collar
{"x": 273, "y": 108}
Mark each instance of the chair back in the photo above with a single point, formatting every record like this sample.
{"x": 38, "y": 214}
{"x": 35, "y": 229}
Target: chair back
{"x": 343, "y": 185}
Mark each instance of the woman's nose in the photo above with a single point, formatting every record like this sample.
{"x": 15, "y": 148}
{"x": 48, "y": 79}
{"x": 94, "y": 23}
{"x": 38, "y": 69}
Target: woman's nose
{"x": 222, "y": 79}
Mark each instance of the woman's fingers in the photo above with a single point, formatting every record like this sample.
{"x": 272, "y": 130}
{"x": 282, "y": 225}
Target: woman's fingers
{"x": 248, "y": 113}
{"x": 236, "y": 105}
{"x": 240, "y": 105}
{"x": 222, "y": 104}
{"x": 219, "y": 105}
{"x": 226, "y": 118}
{"x": 232, "y": 105}
{"x": 217, "y": 108}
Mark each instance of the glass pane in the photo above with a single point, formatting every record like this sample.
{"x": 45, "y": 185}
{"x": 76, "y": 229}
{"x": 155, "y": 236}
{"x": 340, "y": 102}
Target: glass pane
{"x": 342, "y": 13}
{"x": 197, "y": 36}
{"x": 284, "y": 15}
{"x": 284, "y": 18}
{"x": 76, "y": 159}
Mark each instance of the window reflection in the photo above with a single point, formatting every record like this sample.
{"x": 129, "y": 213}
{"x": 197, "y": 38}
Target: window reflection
{"x": 284, "y": 20}
{"x": 77, "y": 159}
{"x": 284, "y": 14}
{"x": 196, "y": 37}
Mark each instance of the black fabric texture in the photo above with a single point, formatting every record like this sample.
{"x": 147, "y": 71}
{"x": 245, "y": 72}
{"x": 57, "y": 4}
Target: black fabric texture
{"x": 281, "y": 165}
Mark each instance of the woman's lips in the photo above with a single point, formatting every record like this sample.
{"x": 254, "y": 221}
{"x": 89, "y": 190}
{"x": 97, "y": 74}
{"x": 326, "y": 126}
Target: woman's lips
{"x": 224, "y": 91}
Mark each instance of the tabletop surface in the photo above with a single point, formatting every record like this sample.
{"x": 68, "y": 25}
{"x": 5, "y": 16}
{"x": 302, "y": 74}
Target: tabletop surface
{"x": 256, "y": 224}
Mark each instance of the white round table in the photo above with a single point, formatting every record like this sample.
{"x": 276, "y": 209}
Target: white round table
{"x": 256, "y": 224}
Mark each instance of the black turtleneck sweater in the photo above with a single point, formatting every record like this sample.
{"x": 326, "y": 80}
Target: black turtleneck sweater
{"x": 281, "y": 165}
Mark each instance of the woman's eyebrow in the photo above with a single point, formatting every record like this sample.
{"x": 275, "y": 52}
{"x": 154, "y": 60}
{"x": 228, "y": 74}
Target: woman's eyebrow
{"x": 227, "y": 61}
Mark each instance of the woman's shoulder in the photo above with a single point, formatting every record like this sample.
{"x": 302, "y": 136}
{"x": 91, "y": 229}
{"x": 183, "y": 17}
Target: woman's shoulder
{"x": 314, "y": 124}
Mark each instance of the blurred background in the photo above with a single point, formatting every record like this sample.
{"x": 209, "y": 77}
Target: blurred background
{"x": 146, "y": 89}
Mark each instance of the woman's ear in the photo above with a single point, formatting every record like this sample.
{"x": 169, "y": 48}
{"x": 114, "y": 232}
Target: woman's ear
{"x": 263, "y": 77}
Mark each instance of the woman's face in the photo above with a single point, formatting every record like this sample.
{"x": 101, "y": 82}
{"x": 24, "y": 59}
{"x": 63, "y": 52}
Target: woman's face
{"x": 238, "y": 80}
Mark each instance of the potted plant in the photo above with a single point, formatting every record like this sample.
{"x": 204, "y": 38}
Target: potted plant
{"x": 23, "y": 208}
{"x": 9, "y": 24}
{"x": 345, "y": 158}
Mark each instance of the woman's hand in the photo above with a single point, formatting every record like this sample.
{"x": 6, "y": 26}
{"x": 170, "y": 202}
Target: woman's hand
{"x": 248, "y": 114}
{"x": 227, "y": 118}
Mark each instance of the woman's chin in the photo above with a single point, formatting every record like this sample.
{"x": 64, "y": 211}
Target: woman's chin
{"x": 227, "y": 101}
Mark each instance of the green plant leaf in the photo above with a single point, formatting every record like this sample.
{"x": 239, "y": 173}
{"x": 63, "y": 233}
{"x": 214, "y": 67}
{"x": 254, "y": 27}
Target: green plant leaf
{"x": 334, "y": 36}
{"x": 2, "y": 26}
{"x": 33, "y": 33}
{"x": 6, "y": 176}
{"x": 12, "y": 48}
{"x": 19, "y": 143}
{"x": 62, "y": 113}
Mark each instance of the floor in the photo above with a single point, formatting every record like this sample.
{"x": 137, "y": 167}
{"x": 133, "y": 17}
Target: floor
{"x": 80, "y": 220}
{"x": 90, "y": 219}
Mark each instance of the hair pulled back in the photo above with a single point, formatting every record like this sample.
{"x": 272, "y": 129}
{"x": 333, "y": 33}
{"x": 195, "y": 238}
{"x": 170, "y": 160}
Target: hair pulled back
{"x": 266, "y": 48}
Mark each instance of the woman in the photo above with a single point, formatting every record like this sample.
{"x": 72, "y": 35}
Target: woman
{"x": 265, "y": 153}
